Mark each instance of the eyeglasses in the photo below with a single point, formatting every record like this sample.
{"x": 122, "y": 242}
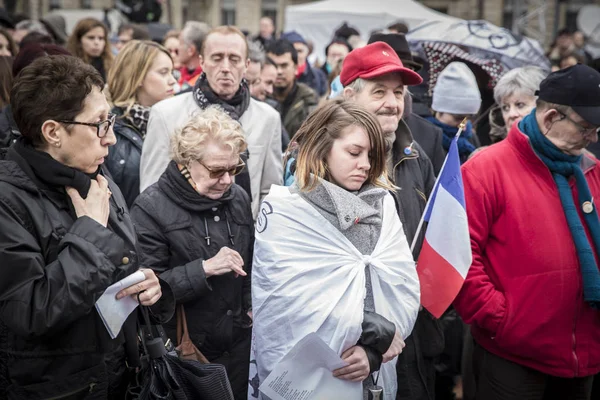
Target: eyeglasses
{"x": 583, "y": 130}
{"x": 102, "y": 127}
{"x": 216, "y": 173}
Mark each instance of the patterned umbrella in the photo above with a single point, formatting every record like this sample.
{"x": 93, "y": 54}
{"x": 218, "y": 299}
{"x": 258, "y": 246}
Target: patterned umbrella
{"x": 483, "y": 40}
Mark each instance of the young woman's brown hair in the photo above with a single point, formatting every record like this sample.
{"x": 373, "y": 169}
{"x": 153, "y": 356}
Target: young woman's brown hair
{"x": 75, "y": 48}
{"x": 6, "y": 80}
{"x": 316, "y": 136}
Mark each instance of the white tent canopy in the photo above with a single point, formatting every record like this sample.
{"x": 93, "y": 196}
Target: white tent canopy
{"x": 317, "y": 21}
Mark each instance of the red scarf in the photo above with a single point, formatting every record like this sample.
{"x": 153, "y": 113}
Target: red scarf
{"x": 188, "y": 77}
{"x": 300, "y": 70}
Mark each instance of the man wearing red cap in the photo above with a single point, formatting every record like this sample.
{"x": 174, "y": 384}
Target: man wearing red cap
{"x": 374, "y": 77}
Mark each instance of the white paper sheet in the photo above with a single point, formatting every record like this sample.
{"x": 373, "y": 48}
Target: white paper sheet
{"x": 114, "y": 312}
{"x": 306, "y": 373}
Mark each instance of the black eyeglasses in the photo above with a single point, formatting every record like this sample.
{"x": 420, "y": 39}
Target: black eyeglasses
{"x": 102, "y": 127}
{"x": 583, "y": 130}
{"x": 216, "y": 173}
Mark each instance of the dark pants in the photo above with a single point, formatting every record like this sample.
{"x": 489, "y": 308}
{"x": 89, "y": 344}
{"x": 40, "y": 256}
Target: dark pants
{"x": 237, "y": 363}
{"x": 500, "y": 379}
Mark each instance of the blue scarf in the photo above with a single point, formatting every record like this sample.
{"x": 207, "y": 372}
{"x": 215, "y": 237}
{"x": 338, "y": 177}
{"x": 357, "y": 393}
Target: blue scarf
{"x": 562, "y": 166}
{"x": 465, "y": 147}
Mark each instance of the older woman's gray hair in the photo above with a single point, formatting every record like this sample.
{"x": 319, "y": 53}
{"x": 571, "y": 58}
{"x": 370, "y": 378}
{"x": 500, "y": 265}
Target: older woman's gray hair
{"x": 211, "y": 125}
{"x": 525, "y": 80}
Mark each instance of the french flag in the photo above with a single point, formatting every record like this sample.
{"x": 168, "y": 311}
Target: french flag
{"x": 446, "y": 256}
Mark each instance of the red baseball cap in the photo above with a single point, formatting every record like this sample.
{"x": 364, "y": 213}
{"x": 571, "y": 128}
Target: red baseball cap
{"x": 374, "y": 60}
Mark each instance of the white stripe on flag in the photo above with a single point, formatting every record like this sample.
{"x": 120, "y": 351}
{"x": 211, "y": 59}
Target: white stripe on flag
{"x": 448, "y": 231}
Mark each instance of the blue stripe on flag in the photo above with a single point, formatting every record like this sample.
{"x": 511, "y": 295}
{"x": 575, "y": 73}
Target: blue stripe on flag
{"x": 450, "y": 178}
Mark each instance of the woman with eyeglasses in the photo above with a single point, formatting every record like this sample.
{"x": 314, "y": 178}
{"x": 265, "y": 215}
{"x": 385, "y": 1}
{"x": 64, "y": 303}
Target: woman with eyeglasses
{"x": 195, "y": 229}
{"x": 65, "y": 237}
{"x": 141, "y": 76}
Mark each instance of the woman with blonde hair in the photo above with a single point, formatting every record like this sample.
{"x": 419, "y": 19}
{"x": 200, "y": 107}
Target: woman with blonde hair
{"x": 195, "y": 229}
{"x": 331, "y": 256}
{"x": 141, "y": 76}
{"x": 89, "y": 42}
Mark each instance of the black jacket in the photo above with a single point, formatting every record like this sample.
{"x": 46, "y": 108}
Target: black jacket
{"x": 55, "y": 266}
{"x": 173, "y": 221}
{"x": 9, "y": 132}
{"x": 123, "y": 160}
{"x": 429, "y": 138}
{"x": 414, "y": 175}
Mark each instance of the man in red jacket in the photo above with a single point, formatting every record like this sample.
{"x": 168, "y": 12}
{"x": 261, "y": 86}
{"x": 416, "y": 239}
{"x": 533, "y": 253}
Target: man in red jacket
{"x": 532, "y": 295}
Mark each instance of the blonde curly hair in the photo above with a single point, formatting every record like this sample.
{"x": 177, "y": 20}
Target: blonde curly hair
{"x": 211, "y": 125}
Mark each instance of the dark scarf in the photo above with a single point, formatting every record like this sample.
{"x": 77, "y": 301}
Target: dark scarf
{"x": 51, "y": 172}
{"x": 562, "y": 166}
{"x": 138, "y": 117}
{"x": 179, "y": 190}
{"x": 234, "y": 107}
{"x": 465, "y": 147}
{"x": 98, "y": 63}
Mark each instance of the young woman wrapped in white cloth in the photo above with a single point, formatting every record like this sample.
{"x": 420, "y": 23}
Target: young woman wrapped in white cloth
{"x": 331, "y": 256}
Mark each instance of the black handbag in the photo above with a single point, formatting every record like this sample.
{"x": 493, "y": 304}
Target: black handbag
{"x": 165, "y": 376}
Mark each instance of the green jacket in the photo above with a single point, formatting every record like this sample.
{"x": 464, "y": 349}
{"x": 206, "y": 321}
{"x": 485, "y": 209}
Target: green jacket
{"x": 301, "y": 101}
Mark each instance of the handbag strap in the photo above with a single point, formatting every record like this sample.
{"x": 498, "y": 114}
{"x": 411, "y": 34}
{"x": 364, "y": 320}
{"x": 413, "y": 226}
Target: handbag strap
{"x": 182, "y": 328}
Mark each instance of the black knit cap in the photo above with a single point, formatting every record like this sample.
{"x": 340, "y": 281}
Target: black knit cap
{"x": 577, "y": 87}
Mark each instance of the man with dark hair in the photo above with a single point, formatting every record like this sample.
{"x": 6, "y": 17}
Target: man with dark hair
{"x": 129, "y": 32}
{"x": 313, "y": 77}
{"x": 297, "y": 100}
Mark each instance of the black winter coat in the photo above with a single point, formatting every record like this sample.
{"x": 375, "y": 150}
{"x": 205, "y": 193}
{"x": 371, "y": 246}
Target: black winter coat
{"x": 9, "y": 132}
{"x": 123, "y": 160}
{"x": 413, "y": 173}
{"x": 429, "y": 138}
{"x": 54, "y": 267}
{"x": 173, "y": 221}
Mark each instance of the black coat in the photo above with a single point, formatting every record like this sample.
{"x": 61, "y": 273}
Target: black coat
{"x": 9, "y": 132}
{"x": 54, "y": 268}
{"x": 123, "y": 160}
{"x": 171, "y": 219}
{"x": 414, "y": 175}
{"x": 429, "y": 138}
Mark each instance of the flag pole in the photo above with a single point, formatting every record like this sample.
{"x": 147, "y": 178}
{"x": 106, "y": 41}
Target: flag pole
{"x": 461, "y": 127}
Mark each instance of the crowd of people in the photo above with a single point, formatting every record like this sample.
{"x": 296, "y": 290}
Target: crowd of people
{"x": 266, "y": 197}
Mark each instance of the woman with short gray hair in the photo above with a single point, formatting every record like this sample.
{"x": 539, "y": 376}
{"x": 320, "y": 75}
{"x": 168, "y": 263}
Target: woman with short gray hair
{"x": 195, "y": 229}
{"x": 515, "y": 97}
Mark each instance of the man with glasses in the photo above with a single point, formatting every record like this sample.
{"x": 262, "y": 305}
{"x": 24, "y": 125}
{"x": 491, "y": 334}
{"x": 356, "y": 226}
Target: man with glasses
{"x": 224, "y": 61}
{"x": 532, "y": 294}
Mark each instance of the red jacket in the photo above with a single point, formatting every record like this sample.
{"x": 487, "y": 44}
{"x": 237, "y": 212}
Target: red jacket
{"x": 523, "y": 294}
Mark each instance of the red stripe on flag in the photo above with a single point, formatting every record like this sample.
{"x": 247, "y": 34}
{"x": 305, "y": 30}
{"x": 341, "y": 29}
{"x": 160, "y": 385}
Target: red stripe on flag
{"x": 440, "y": 281}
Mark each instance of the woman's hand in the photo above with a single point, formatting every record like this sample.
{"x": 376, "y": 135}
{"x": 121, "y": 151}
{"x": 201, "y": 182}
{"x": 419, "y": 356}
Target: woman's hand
{"x": 96, "y": 205}
{"x": 149, "y": 289}
{"x": 358, "y": 369}
{"x": 226, "y": 260}
{"x": 395, "y": 348}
